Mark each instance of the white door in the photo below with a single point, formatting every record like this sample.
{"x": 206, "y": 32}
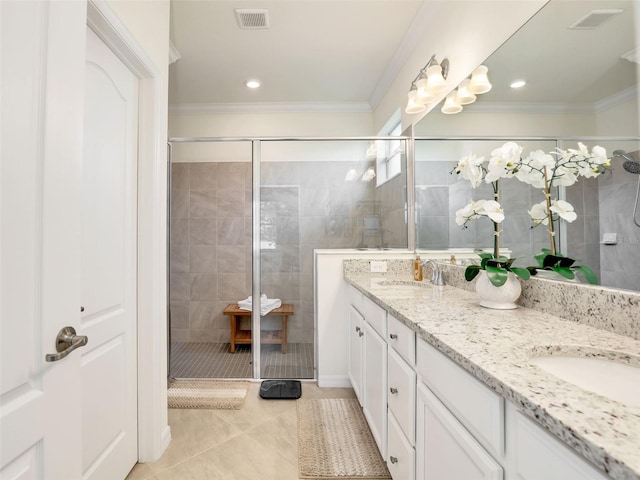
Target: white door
{"x": 109, "y": 383}
{"x": 41, "y": 70}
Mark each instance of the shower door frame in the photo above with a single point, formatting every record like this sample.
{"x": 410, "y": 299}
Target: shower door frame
{"x": 256, "y": 258}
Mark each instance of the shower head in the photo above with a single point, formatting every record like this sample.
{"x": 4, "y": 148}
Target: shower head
{"x": 630, "y": 165}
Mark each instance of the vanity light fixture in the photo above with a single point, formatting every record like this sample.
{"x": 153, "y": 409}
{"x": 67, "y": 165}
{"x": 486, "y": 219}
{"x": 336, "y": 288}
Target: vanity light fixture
{"x": 463, "y": 95}
{"x": 479, "y": 82}
{"x": 369, "y": 175}
{"x": 518, "y": 84}
{"x": 253, "y": 84}
{"x": 451, "y": 105}
{"x": 351, "y": 176}
{"x": 430, "y": 81}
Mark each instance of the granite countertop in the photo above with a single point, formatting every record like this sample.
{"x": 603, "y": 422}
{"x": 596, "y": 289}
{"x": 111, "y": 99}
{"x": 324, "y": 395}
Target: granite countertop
{"x": 496, "y": 347}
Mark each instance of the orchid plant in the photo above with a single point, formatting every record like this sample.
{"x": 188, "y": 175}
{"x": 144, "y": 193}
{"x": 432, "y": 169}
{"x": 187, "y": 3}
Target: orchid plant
{"x": 502, "y": 164}
{"x": 559, "y": 168}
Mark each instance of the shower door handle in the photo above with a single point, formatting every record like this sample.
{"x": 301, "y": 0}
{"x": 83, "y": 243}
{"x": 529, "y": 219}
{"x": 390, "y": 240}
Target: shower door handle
{"x": 66, "y": 342}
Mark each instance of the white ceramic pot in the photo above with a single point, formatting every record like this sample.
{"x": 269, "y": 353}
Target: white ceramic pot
{"x": 500, "y": 298}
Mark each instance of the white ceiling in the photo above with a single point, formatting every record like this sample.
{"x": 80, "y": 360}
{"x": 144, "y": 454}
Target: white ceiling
{"x": 342, "y": 52}
{"x": 564, "y": 66}
{"x": 314, "y": 51}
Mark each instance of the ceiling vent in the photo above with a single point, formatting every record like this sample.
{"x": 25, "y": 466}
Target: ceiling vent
{"x": 252, "y": 18}
{"x": 595, "y": 18}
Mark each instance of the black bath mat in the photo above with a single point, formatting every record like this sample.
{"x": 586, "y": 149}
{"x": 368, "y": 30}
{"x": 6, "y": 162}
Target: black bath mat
{"x": 281, "y": 389}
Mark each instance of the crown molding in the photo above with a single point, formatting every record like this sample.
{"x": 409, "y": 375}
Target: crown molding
{"x": 617, "y": 98}
{"x": 524, "y": 107}
{"x": 554, "y": 108}
{"x": 273, "y": 107}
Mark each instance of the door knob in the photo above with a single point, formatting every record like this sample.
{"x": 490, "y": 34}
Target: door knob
{"x": 66, "y": 342}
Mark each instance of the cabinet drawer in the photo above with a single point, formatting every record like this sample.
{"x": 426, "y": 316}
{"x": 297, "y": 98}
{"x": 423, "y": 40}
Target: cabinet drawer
{"x": 402, "y": 339}
{"x": 375, "y": 315}
{"x": 401, "y": 394}
{"x": 478, "y": 408}
{"x": 355, "y": 297}
{"x": 401, "y": 455}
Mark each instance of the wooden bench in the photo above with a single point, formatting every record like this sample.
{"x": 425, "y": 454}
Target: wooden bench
{"x": 243, "y": 337}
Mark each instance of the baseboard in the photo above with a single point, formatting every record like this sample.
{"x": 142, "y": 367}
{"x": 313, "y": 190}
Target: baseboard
{"x": 332, "y": 381}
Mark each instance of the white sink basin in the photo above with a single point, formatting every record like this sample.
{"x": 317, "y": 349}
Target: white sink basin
{"x": 609, "y": 378}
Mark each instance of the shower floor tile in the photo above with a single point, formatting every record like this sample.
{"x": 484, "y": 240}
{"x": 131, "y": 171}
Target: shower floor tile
{"x": 213, "y": 360}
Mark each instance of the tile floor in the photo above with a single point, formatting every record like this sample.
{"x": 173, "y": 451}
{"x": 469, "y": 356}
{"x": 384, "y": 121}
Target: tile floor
{"x": 258, "y": 442}
{"x": 213, "y": 360}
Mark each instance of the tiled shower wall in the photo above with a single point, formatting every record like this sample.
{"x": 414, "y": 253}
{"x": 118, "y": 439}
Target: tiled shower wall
{"x": 304, "y": 205}
{"x": 210, "y": 247}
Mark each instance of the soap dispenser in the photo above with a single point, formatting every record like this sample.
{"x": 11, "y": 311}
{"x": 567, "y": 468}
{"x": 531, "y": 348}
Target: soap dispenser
{"x": 417, "y": 269}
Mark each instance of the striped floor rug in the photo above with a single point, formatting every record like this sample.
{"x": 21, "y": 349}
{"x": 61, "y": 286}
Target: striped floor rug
{"x": 208, "y": 394}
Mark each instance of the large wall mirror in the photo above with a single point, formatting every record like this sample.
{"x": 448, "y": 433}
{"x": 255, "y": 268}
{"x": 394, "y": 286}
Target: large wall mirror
{"x": 580, "y": 62}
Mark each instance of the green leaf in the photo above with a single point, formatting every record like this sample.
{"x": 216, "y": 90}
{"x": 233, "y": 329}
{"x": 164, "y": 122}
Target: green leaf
{"x": 497, "y": 276}
{"x": 589, "y": 274}
{"x": 540, "y": 258}
{"x": 471, "y": 272}
{"x": 523, "y": 273}
{"x": 565, "y": 272}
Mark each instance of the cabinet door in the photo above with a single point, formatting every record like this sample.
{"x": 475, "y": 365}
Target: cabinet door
{"x": 444, "y": 448}
{"x": 375, "y": 385}
{"x": 356, "y": 357}
{"x": 537, "y": 454}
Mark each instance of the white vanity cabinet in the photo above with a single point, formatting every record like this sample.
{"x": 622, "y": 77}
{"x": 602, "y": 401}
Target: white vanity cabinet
{"x": 356, "y": 352}
{"x": 368, "y": 362}
{"x": 535, "y": 454}
{"x": 375, "y": 385}
{"x": 401, "y": 400}
{"x": 444, "y": 448}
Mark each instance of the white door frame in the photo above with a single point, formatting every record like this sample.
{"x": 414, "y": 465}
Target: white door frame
{"x": 154, "y": 434}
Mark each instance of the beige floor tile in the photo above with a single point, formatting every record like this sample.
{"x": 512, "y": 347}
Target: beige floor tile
{"x": 257, "y": 442}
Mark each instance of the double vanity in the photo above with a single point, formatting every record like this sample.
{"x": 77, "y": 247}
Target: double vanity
{"x": 452, "y": 390}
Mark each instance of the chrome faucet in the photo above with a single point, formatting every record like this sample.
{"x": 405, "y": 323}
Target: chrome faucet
{"x": 436, "y": 273}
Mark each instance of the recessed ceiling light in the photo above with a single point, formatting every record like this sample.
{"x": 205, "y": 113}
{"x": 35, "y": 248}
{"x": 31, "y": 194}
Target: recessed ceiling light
{"x": 518, "y": 84}
{"x": 253, "y": 83}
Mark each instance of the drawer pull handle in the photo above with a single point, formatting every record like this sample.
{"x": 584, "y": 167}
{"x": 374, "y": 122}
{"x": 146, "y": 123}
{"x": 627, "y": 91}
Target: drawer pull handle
{"x": 360, "y": 333}
{"x": 393, "y": 336}
{"x": 393, "y": 390}
{"x": 393, "y": 459}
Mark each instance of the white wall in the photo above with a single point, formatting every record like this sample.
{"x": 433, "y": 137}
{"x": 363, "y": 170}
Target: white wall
{"x": 507, "y": 124}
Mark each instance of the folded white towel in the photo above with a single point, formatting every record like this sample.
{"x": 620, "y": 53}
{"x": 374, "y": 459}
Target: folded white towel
{"x": 266, "y": 304}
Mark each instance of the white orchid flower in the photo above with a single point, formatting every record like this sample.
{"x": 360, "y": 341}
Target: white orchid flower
{"x": 493, "y": 210}
{"x": 465, "y": 214}
{"x": 532, "y": 169}
{"x": 564, "y": 210}
{"x": 509, "y": 153}
{"x": 538, "y": 213}
{"x": 600, "y": 156}
{"x": 503, "y": 161}
{"x": 564, "y": 176}
{"x": 469, "y": 168}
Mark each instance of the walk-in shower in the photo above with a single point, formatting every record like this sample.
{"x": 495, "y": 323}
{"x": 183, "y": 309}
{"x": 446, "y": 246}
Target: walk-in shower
{"x": 631, "y": 166}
